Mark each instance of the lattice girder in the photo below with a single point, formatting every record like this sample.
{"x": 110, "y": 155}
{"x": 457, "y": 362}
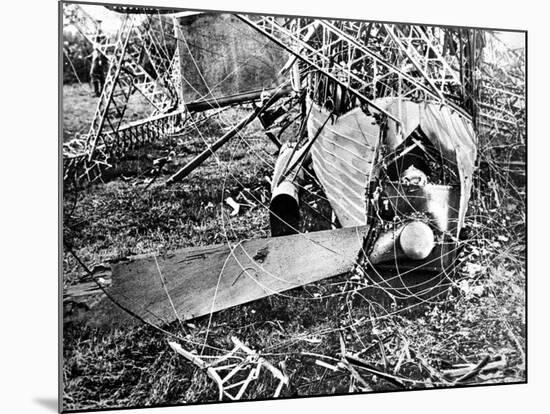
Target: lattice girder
{"x": 374, "y": 60}
{"x": 74, "y": 15}
{"x": 86, "y": 157}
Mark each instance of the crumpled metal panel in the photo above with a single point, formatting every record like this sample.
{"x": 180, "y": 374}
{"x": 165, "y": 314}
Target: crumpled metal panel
{"x": 450, "y": 132}
{"x": 342, "y": 157}
{"x": 344, "y": 151}
{"x": 455, "y": 136}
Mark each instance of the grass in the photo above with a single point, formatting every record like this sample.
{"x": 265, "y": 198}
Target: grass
{"x": 79, "y": 104}
{"x": 482, "y": 314}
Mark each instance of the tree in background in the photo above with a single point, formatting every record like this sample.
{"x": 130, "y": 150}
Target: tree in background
{"x": 76, "y": 64}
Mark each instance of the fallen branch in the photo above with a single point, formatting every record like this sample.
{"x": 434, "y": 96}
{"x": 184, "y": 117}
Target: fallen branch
{"x": 353, "y": 360}
{"x": 465, "y": 373}
{"x": 357, "y": 377}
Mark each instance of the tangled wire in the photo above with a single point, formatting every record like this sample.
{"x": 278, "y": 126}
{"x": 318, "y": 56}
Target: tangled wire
{"x": 440, "y": 331}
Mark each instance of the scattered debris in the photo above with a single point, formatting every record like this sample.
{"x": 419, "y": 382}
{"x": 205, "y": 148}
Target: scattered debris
{"x": 234, "y": 205}
{"x": 465, "y": 373}
{"x": 234, "y": 370}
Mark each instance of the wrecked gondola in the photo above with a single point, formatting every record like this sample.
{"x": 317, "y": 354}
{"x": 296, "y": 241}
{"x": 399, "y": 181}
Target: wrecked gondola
{"x": 390, "y": 138}
{"x": 411, "y": 182}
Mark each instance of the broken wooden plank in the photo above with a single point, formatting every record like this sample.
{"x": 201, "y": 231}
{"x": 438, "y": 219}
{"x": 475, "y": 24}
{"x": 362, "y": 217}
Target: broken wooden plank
{"x": 84, "y": 289}
{"x": 202, "y": 280}
{"x": 471, "y": 370}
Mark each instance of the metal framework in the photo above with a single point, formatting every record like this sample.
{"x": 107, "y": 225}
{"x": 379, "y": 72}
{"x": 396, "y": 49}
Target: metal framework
{"x": 109, "y": 135}
{"x": 377, "y": 60}
{"x": 234, "y": 371}
{"x": 369, "y": 60}
{"x": 88, "y": 27}
{"x": 348, "y": 63}
{"x": 502, "y": 89}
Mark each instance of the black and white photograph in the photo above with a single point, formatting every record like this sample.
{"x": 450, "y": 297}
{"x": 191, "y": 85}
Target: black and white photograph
{"x": 267, "y": 206}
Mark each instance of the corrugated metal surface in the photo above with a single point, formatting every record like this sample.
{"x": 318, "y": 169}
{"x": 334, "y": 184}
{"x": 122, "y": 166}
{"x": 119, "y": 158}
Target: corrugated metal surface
{"x": 342, "y": 158}
{"x": 344, "y": 150}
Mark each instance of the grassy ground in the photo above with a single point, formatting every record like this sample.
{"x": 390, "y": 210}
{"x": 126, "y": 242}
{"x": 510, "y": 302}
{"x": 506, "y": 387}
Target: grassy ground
{"x": 78, "y": 106}
{"x": 482, "y": 315}
{"x": 79, "y": 103}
